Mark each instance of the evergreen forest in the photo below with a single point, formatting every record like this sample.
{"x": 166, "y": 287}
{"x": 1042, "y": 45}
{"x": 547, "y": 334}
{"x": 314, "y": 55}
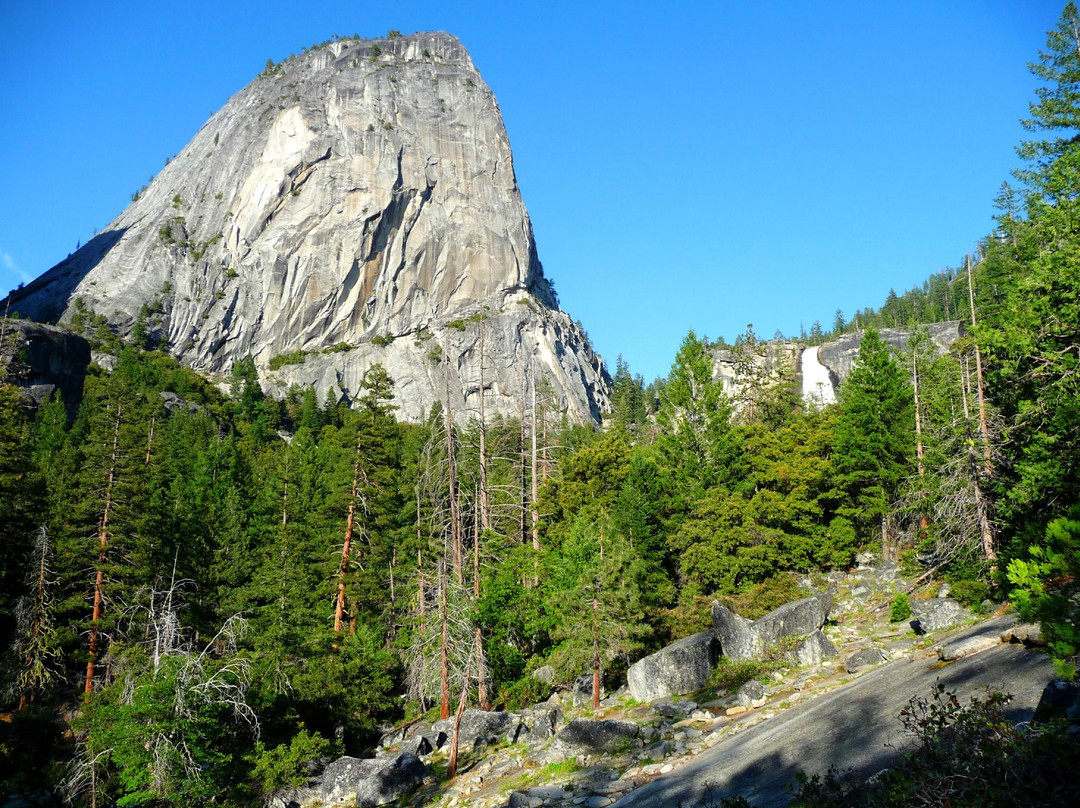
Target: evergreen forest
{"x": 202, "y": 590}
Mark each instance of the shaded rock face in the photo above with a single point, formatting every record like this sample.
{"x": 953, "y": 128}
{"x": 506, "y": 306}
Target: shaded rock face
{"x": 682, "y": 667}
{"x": 361, "y": 193}
{"x": 480, "y": 725}
{"x": 740, "y": 638}
{"x": 389, "y": 779}
{"x": 41, "y": 359}
{"x": 590, "y": 736}
{"x": 813, "y": 650}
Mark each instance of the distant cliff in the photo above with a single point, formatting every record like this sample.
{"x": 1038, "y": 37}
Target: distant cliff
{"x": 837, "y": 355}
{"x": 353, "y": 205}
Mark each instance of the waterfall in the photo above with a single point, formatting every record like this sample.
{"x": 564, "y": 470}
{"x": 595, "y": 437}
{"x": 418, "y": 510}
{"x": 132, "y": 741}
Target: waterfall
{"x": 817, "y": 388}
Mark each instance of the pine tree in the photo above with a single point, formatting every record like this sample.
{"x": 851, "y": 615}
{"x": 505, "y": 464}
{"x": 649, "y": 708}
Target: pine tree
{"x": 874, "y": 435}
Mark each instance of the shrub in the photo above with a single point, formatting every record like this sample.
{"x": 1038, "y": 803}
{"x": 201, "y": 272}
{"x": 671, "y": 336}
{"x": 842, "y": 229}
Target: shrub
{"x": 900, "y": 609}
{"x": 970, "y": 593}
{"x": 286, "y": 765}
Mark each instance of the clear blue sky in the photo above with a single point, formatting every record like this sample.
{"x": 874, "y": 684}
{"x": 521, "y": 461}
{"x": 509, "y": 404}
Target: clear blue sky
{"x": 686, "y": 165}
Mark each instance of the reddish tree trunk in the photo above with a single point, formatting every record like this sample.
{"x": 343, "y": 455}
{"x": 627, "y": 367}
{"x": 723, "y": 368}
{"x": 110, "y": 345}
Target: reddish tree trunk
{"x": 103, "y": 542}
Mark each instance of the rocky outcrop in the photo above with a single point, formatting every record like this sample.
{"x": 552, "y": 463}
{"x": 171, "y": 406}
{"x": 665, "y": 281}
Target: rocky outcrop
{"x": 353, "y": 205}
{"x": 680, "y": 668}
{"x": 813, "y": 650}
{"x": 41, "y": 359}
{"x": 740, "y": 638}
{"x": 829, "y": 364}
{"x": 839, "y": 355}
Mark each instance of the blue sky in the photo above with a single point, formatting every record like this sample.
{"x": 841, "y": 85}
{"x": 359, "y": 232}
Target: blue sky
{"x": 686, "y": 165}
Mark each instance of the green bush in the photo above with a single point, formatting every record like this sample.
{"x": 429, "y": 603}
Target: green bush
{"x": 292, "y": 358}
{"x": 286, "y": 765}
{"x": 900, "y": 609}
{"x": 970, "y": 593}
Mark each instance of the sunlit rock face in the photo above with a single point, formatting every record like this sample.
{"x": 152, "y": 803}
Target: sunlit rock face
{"x": 359, "y": 197}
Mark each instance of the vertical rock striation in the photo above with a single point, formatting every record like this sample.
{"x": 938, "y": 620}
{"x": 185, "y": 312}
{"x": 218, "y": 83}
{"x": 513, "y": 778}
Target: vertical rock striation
{"x": 353, "y": 205}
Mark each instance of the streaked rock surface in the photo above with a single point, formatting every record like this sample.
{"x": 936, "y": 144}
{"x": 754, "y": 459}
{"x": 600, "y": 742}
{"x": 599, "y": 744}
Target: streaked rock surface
{"x": 361, "y": 197}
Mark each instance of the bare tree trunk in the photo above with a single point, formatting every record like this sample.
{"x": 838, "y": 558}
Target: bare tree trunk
{"x": 103, "y": 541}
{"x": 524, "y": 469}
{"x": 481, "y": 675}
{"x": 339, "y": 609}
{"x": 392, "y": 617}
{"x": 986, "y": 527}
{"x": 923, "y": 522}
{"x": 422, "y": 595}
{"x": 485, "y": 494}
{"x": 444, "y": 680}
{"x": 534, "y": 500}
{"x": 596, "y": 649}
{"x": 451, "y": 765}
{"x": 455, "y": 504}
{"x": 984, "y": 429}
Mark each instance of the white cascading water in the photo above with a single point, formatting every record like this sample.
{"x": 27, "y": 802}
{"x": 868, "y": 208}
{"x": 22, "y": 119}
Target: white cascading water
{"x": 817, "y": 387}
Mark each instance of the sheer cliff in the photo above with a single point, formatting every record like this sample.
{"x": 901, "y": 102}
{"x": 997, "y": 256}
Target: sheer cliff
{"x": 352, "y": 205}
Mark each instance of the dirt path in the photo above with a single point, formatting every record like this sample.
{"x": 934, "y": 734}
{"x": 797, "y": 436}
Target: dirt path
{"x": 852, "y": 727}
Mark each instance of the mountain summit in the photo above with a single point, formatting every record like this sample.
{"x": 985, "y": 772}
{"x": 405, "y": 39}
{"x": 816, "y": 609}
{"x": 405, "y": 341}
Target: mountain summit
{"x": 352, "y": 205}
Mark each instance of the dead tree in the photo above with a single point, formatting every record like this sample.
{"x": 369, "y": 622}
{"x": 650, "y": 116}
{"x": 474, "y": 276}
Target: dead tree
{"x": 103, "y": 544}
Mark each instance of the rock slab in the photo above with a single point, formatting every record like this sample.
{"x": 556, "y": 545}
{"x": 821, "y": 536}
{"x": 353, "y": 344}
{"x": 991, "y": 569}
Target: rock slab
{"x": 680, "y": 668}
{"x": 590, "y": 736}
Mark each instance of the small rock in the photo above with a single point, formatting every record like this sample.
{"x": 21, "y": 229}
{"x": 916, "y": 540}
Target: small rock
{"x": 751, "y": 694}
{"x": 864, "y": 658}
{"x": 545, "y": 674}
{"x": 944, "y": 590}
{"x": 1027, "y": 633}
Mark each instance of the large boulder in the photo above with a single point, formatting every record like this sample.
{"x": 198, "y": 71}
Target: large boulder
{"x": 740, "y": 638}
{"x": 388, "y": 779}
{"x": 340, "y": 778}
{"x": 682, "y": 667}
{"x": 591, "y": 736}
{"x": 482, "y": 725}
{"x": 935, "y": 614}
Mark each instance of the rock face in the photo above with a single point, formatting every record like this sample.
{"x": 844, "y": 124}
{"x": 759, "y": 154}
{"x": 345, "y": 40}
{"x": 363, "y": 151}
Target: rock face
{"x": 822, "y": 368}
{"x": 353, "y": 205}
{"x": 40, "y": 359}
{"x": 744, "y": 639}
{"x": 839, "y": 355}
{"x": 682, "y": 667}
